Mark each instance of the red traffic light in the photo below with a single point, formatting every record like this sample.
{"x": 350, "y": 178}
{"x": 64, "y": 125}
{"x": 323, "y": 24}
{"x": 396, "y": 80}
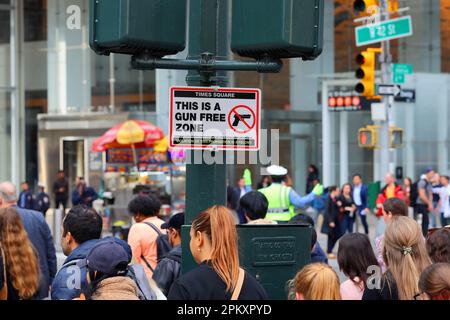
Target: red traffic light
{"x": 360, "y": 59}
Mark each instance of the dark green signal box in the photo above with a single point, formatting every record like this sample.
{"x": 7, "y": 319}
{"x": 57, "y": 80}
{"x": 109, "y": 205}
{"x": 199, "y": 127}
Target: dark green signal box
{"x": 155, "y": 27}
{"x": 278, "y": 28}
{"x": 274, "y": 254}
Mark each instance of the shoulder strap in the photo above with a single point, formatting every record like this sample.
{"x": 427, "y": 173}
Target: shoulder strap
{"x": 240, "y": 282}
{"x": 146, "y": 263}
{"x": 4, "y": 290}
{"x": 153, "y": 227}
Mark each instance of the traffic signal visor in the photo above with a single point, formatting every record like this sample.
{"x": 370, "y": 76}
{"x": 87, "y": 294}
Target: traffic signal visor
{"x": 366, "y": 73}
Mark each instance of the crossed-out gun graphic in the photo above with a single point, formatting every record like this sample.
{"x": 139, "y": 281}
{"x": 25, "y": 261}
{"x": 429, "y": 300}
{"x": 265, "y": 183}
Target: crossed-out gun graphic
{"x": 239, "y": 118}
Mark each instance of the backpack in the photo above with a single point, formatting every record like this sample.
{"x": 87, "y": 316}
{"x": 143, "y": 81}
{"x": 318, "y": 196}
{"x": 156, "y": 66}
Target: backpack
{"x": 137, "y": 274}
{"x": 162, "y": 243}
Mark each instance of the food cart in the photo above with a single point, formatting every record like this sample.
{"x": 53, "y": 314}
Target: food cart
{"x": 138, "y": 165}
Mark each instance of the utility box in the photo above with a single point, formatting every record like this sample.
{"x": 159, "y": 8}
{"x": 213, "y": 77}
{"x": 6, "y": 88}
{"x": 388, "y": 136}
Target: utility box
{"x": 277, "y": 28}
{"x": 274, "y": 254}
{"x": 134, "y": 27}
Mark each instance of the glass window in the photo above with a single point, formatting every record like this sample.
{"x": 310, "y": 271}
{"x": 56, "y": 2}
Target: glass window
{"x": 5, "y": 64}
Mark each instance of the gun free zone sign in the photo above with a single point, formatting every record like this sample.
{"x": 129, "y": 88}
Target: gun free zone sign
{"x": 215, "y": 118}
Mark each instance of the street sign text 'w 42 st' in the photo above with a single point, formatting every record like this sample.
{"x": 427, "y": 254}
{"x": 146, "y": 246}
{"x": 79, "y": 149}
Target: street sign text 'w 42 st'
{"x": 386, "y": 30}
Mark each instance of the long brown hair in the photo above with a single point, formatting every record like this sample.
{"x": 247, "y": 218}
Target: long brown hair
{"x": 435, "y": 281}
{"x": 318, "y": 281}
{"x": 21, "y": 257}
{"x": 405, "y": 254}
{"x": 218, "y": 224}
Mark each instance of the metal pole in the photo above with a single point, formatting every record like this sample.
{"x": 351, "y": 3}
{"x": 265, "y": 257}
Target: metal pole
{"x": 326, "y": 137}
{"x": 205, "y": 184}
{"x": 343, "y": 148}
{"x": 386, "y": 60}
{"x": 17, "y": 97}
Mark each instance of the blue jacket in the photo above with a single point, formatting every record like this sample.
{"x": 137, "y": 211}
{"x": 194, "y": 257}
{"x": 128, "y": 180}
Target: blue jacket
{"x": 318, "y": 255}
{"x": 68, "y": 277}
{"x": 83, "y": 199}
{"x": 42, "y": 240}
{"x": 364, "y": 196}
{"x": 26, "y": 200}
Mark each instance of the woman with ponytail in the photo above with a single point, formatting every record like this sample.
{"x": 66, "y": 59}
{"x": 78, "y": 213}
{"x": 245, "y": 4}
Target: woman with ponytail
{"x": 406, "y": 257}
{"x": 218, "y": 277}
{"x": 19, "y": 267}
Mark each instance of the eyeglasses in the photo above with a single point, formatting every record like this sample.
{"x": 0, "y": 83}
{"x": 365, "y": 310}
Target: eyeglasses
{"x": 433, "y": 230}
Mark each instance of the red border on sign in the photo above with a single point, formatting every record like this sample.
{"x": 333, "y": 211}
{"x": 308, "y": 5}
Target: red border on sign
{"x": 208, "y": 89}
{"x": 233, "y": 111}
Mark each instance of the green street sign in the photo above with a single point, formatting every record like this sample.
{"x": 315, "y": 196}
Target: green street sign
{"x": 399, "y": 71}
{"x": 386, "y": 30}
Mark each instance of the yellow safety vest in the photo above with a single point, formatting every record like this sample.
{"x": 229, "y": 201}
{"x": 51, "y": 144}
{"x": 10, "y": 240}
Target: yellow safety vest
{"x": 280, "y": 208}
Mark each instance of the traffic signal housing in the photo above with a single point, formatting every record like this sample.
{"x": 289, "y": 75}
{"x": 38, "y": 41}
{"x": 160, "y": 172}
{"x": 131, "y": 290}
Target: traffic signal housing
{"x": 366, "y": 74}
{"x": 365, "y": 7}
{"x": 368, "y": 137}
{"x": 395, "y": 137}
{"x": 138, "y": 26}
{"x": 393, "y": 5}
{"x": 277, "y": 29}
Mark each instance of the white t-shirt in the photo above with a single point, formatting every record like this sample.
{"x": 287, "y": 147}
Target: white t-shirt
{"x": 444, "y": 195}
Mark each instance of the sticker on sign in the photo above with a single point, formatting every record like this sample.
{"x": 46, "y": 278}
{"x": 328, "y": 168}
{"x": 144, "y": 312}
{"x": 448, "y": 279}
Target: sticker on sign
{"x": 215, "y": 118}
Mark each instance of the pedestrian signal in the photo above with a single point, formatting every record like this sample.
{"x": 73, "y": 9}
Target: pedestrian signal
{"x": 396, "y": 137}
{"x": 367, "y": 138}
{"x": 366, "y": 73}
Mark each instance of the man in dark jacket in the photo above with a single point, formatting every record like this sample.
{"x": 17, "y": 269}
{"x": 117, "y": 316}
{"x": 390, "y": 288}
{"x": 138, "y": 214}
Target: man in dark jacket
{"x": 42, "y": 202}
{"x": 83, "y": 194}
{"x": 61, "y": 191}
{"x": 25, "y": 200}
{"x": 81, "y": 230}
{"x": 169, "y": 268}
{"x": 39, "y": 235}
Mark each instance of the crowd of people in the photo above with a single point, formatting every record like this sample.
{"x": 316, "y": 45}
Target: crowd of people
{"x": 407, "y": 261}
{"x": 40, "y": 201}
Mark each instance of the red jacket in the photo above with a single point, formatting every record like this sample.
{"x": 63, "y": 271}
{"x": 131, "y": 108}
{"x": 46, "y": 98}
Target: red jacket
{"x": 382, "y": 197}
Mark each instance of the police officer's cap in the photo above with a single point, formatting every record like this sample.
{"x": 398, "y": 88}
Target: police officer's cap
{"x": 276, "y": 171}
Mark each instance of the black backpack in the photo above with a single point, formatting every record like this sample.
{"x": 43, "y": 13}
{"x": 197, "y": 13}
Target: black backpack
{"x": 162, "y": 243}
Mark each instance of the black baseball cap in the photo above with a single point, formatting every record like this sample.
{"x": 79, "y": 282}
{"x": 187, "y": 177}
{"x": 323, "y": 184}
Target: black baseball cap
{"x": 109, "y": 258}
{"x": 176, "y": 221}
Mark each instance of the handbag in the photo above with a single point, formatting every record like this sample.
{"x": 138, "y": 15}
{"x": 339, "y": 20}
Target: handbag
{"x": 4, "y": 290}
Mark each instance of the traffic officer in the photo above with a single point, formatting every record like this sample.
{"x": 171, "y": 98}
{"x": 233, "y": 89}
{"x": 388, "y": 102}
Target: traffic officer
{"x": 283, "y": 199}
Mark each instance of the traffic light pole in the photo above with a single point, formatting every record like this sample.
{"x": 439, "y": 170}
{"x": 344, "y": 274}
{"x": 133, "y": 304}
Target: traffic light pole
{"x": 205, "y": 184}
{"x": 386, "y": 60}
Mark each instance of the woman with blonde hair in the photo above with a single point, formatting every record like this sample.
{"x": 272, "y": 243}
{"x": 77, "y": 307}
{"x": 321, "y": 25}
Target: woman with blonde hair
{"x": 434, "y": 282}
{"x": 19, "y": 268}
{"x": 405, "y": 255}
{"x": 218, "y": 277}
{"x": 317, "y": 281}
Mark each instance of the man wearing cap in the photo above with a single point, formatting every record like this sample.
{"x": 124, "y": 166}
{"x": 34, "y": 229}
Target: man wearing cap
{"x": 169, "y": 268}
{"x": 282, "y": 199}
{"x": 42, "y": 200}
{"x": 107, "y": 268}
